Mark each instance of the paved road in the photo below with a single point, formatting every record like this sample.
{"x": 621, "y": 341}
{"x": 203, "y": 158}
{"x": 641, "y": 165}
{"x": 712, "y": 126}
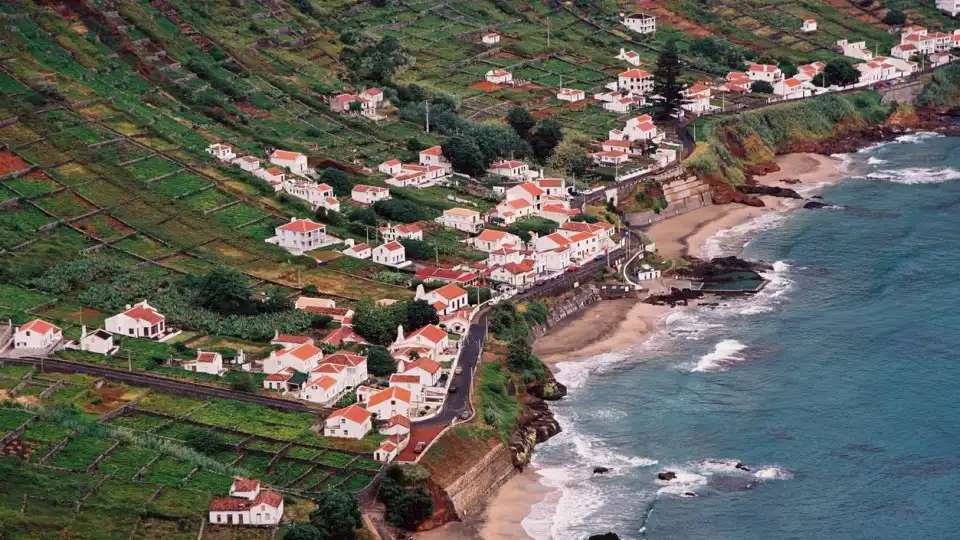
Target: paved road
{"x": 165, "y": 384}
{"x": 472, "y": 350}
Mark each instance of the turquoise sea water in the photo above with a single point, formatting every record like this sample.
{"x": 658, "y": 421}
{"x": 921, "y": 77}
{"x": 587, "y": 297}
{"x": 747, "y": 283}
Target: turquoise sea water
{"x": 837, "y": 385}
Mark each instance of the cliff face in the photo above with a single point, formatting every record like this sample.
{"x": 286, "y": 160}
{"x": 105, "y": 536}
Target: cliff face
{"x": 586, "y": 295}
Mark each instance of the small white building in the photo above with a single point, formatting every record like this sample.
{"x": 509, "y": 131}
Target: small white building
{"x": 263, "y": 508}
{"x": 391, "y": 167}
{"x": 37, "y": 335}
{"x": 247, "y": 163}
{"x": 294, "y": 161}
{"x": 426, "y": 369}
{"x": 809, "y": 25}
{"x": 491, "y": 39}
{"x": 499, "y": 76}
{"x": 447, "y": 299}
{"x": 621, "y": 105}
{"x": 274, "y": 176}
{"x": 390, "y": 448}
{"x": 391, "y": 254}
{"x": 490, "y": 240}
{"x": 856, "y": 49}
{"x": 518, "y": 275}
{"x": 698, "y": 99}
{"x": 413, "y": 385}
{"x": 764, "y": 72}
{"x": 431, "y": 339}
{"x": 433, "y": 157}
{"x": 140, "y": 320}
{"x": 647, "y": 273}
{"x": 390, "y": 402}
{"x": 223, "y": 152}
{"x": 792, "y": 88}
{"x": 374, "y": 96}
{"x": 571, "y": 94}
{"x": 369, "y": 194}
{"x": 457, "y": 322}
{"x": 516, "y": 170}
{"x": 610, "y": 157}
{"x": 640, "y": 23}
{"x": 285, "y": 380}
{"x": 302, "y": 358}
{"x": 98, "y": 341}
{"x": 353, "y": 422}
{"x": 462, "y": 219}
{"x": 359, "y": 251}
{"x": 635, "y": 80}
{"x": 301, "y": 235}
{"x": 206, "y": 362}
{"x": 630, "y": 57}
{"x": 409, "y": 231}
{"x": 315, "y": 194}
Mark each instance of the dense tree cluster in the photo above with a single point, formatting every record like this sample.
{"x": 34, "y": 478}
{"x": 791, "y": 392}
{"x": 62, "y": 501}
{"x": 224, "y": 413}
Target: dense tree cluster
{"x": 378, "y": 324}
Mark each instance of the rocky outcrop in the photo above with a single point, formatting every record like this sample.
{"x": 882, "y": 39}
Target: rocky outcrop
{"x": 536, "y": 425}
{"x": 600, "y": 470}
{"x": 676, "y": 297}
{"x": 586, "y": 295}
{"x": 666, "y": 476}
{"x": 724, "y": 193}
{"x": 548, "y": 390}
{"x": 714, "y": 268}
{"x": 604, "y": 536}
{"x": 773, "y": 191}
{"x": 813, "y": 205}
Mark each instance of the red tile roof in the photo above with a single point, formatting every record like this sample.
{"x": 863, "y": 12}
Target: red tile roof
{"x": 344, "y": 359}
{"x": 636, "y": 74}
{"x": 326, "y": 382}
{"x": 520, "y": 267}
{"x": 341, "y": 335}
{"x": 283, "y": 154}
{"x": 399, "y": 420}
{"x": 39, "y": 326}
{"x": 207, "y": 357}
{"x": 364, "y": 188}
{"x": 432, "y": 333}
{"x": 408, "y": 379}
{"x": 305, "y": 351}
{"x": 394, "y": 392}
{"x": 290, "y": 338}
{"x": 425, "y": 364}
{"x": 532, "y": 189}
{"x": 450, "y": 291}
{"x": 551, "y": 182}
{"x": 144, "y": 314}
{"x": 393, "y": 246}
{"x": 433, "y": 151}
{"x": 354, "y": 413}
{"x": 268, "y": 497}
{"x": 302, "y": 226}
{"x": 229, "y": 504}
{"x": 245, "y": 484}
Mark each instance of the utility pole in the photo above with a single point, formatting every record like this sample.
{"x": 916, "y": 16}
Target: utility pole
{"x": 426, "y": 107}
{"x": 129, "y": 362}
{"x": 436, "y": 252}
{"x": 548, "y": 33}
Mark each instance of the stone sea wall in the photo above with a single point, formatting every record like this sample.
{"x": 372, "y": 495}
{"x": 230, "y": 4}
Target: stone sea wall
{"x": 469, "y": 493}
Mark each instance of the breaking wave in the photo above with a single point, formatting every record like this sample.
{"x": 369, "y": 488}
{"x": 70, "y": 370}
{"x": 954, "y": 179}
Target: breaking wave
{"x": 916, "y": 175}
{"x": 732, "y": 241}
{"x": 723, "y": 354}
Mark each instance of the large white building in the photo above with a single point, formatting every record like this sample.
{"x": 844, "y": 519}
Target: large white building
{"x": 301, "y": 235}
{"x": 515, "y": 170}
{"x": 294, "y": 161}
{"x": 447, "y": 299}
{"x": 462, "y": 219}
{"x": 140, "y": 320}
{"x": 318, "y": 195}
{"x": 640, "y": 23}
{"x": 950, "y": 7}
{"x": 390, "y": 402}
{"x": 302, "y": 358}
{"x": 36, "y": 335}
{"x": 369, "y": 194}
{"x": 764, "y": 72}
{"x": 391, "y": 254}
{"x": 635, "y": 80}
{"x": 353, "y": 422}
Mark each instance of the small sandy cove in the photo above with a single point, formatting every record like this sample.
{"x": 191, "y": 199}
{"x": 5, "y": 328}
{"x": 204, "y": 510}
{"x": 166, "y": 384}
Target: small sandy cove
{"x": 686, "y": 234}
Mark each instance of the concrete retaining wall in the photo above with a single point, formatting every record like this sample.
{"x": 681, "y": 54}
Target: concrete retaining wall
{"x": 470, "y": 492}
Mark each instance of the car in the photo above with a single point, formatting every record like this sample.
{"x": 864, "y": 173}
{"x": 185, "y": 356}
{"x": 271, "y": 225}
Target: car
{"x": 458, "y": 371}
{"x": 465, "y": 415}
{"x": 453, "y": 389}
{"x": 419, "y": 447}
{"x": 572, "y": 268}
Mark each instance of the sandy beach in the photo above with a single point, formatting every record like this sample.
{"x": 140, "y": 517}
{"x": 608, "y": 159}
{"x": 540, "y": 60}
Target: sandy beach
{"x": 686, "y": 234}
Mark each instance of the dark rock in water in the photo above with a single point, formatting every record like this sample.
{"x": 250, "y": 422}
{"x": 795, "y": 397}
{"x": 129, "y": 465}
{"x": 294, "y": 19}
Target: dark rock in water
{"x": 674, "y": 297}
{"x": 549, "y": 390}
{"x": 535, "y": 425}
{"x": 719, "y": 266}
{"x": 743, "y": 467}
{"x": 666, "y": 475}
{"x": 774, "y": 191}
{"x": 689, "y": 494}
{"x": 600, "y": 470}
{"x": 817, "y": 197}
{"x": 604, "y": 536}
{"x": 791, "y": 181}
{"x": 813, "y": 205}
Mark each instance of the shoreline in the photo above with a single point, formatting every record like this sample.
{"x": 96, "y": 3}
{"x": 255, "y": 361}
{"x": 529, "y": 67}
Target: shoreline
{"x": 617, "y": 324}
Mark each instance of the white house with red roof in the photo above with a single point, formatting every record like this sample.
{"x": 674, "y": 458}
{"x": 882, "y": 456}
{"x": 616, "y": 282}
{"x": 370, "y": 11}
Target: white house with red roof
{"x": 509, "y": 212}
{"x": 324, "y": 389}
{"x": 289, "y": 340}
{"x": 274, "y": 176}
{"x": 431, "y": 338}
{"x": 446, "y": 299}
{"x": 223, "y": 152}
{"x": 499, "y": 76}
{"x": 809, "y": 25}
{"x": 807, "y": 72}
{"x": 409, "y": 231}
{"x": 294, "y": 161}
{"x": 359, "y": 251}
{"x": 318, "y": 195}
{"x": 518, "y": 275}
{"x": 36, "y": 335}
{"x": 391, "y": 254}
{"x": 457, "y": 322}
{"x": 571, "y": 94}
{"x": 610, "y": 157}
{"x": 412, "y": 383}
{"x": 630, "y": 57}
{"x": 285, "y": 380}
{"x": 354, "y": 367}
{"x": 426, "y": 369}
{"x": 555, "y": 259}
{"x": 491, "y": 39}
{"x": 635, "y": 80}
{"x": 391, "y": 167}
{"x": 302, "y": 358}
{"x": 515, "y": 170}
{"x": 344, "y": 336}
{"x": 491, "y": 240}
{"x": 462, "y": 219}
{"x": 558, "y": 212}
{"x": 793, "y": 88}
{"x": 390, "y": 402}
{"x": 374, "y": 96}
{"x": 396, "y": 425}
{"x": 622, "y": 104}
{"x": 342, "y": 104}
{"x": 528, "y": 191}
{"x": 764, "y": 72}
{"x": 247, "y": 163}
{"x": 206, "y": 362}
{"x": 301, "y": 235}
{"x": 640, "y": 128}
{"x": 697, "y": 99}
{"x": 353, "y": 422}
{"x": 433, "y": 156}
{"x": 369, "y": 194}
{"x": 391, "y": 448}
{"x": 460, "y": 277}
{"x": 140, "y": 320}
{"x": 504, "y": 255}
{"x": 856, "y": 49}
{"x": 247, "y": 505}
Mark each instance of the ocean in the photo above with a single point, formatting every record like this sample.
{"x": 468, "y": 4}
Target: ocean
{"x": 836, "y": 386}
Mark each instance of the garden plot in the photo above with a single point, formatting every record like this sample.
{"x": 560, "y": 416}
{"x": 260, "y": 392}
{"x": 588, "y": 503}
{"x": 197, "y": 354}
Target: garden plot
{"x": 43, "y": 154}
{"x": 181, "y": 184}
{"x": 141, "y": 213}
{"x": 143, "y": 246}
{"x": 208, "y": 199}
{"x": 19, "y": 223}
{"x": 17, "y": 134}
{"x": 183, "y": 231}
{"x": 103, "y": 227}
{"x": 223, "y": 252}
{"x": 70, "y": 312}
{"x": 127, "y": 461}
{"x": 239, "y": 215}
{"x": 103, "y": 193}
{"x": 189, "y": 264}
{"x": 72, "y": 173}
{"x": 80, "y": 452}
{"x": 119, "y": 152}
{"x": 32, "y": 185}
{"x": 10, "y": 163}
{"x": 151, "y": 168}
{"x": 169, "y": 404}
{"x": 66, "y": 205}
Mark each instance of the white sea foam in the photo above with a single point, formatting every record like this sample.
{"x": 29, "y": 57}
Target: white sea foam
{"x": 845, "y": 161}
{"x": 920, "y": 136}
{"x": 916, "y": 175}
{"x": 694, "y": 477}
{"x": 723, "y": 354}
{"x": 686, "y": 481}
{"x": 775, "y": 292}
{"x": 875, "y": 161}
{"x": 773, "y": 473}
{"x": 732, "y": 241}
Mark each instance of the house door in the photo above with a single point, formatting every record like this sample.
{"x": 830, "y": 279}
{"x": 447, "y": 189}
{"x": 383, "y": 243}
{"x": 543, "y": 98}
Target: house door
{"x": 229, "y": 519}
{"x": 258, "y": 518}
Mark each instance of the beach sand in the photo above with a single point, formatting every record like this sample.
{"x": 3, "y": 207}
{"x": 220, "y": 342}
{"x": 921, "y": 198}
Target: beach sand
{"x": 686, "y": 234}
{"x": 503, "y": 517}
{"x": 602, "y": 327}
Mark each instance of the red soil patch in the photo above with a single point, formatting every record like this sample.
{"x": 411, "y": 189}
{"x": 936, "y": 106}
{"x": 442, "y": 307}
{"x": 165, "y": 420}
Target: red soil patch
{"x": 485, "y": 86}
{"x": 256, "y": 112}
{"x": 10, "y": 162}
{"x": 673, "y": 19}
{"x": 87, "y": 227}
{"x": 419, "y": 434}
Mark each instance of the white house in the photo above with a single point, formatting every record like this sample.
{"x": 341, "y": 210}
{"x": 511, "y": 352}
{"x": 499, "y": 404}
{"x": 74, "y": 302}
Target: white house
{"x": 274, "y": 176}
{"x": 323, "y": 389}
{"x": 807, "y": 72}
{"x": 640, "y": 23}
{"x": 206, "y": 362}
{"x": 491, "y": 39}
{"x": 635, "y": 80}
{"x": 517, "y": 275}
{"x": 412, "y": 384}
{"x": 285, "y": 380}
{"x": 610, "y": 157}
{"x": 492, "y": 240}
{"x": 409, "y": 231}
{"x": 647, "y": 273}
{"x": 301, "y": 235}
{"x": 302, "y": 358}
{"x": 359, "y": 251}
{"x": 397, "y": 425}
{"x": 355, "y": 367}
{"x": 316, "y": 194}
{"x": 369, "y": 194}
{"x": 391, "y": 254}
{"x": 809, "y": 25}
{"x": 857, "y": 49}
{"x": 374, "y": 96}
{"x": 512, "y": 211}
{"x": 426, "y": 369}
{"x": 516, "y": 170}
{"x": 247, "y": 163}
{"x": 457, "y": 322}
{"x": 432, "y": 338}
{"x": 294, "y": 161}
{"x": 99, "y": 341}
{"x": 342, "y": 104}
{"x": 390, "y": 402}
{"x": 630, "y": 57}
{"x": 764, "y": 72}
{"x": 639, "y": 128}
{"x": 462, "y": 219}
{"x": 571, "y": 94}
{"x": 390, "y": 448}
{"x": 353, "y": 422}
{"x": 37, "y": 335}
{"x": 433, "y": 156}
{"x": 223, "y": 152}
{"x": 140, "y": 320}
{"x": 253, "y": 507}
{"x": 950, "y": 7}
{"x": 499, "y": 76}
{"x": 558, "y": 212}
{"x": 698, "y": 99}
{"x": 621, "y": 104}
{"x": 553, "y": 187}
{"x": 792, "y": 88}
{"x": 555, "y": 259}
{"x": 446, "y": 299}
{"x": 391, "y": 167}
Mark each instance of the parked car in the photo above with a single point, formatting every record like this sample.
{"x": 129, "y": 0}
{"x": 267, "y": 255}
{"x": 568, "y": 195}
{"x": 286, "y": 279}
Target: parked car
{"x": 458, "y": 371}
{"x": 572, "y": 268}
{"x": 419, "y": 447}
{"x": 465, "y": 415}
{"x": 453, "y": 389}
